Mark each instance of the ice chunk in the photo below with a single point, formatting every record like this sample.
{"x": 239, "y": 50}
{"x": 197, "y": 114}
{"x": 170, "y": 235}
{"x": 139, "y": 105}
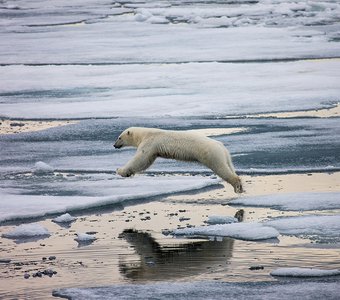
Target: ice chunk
{"x": 42, "y": 168}
{"x": 142, "y": 15}
{"x": 221, "y": 220}
{"x": 27, "y": 231}
{"x": 84, "y": 238}
{"x": 304, "y": 272}
{"x": 296, "y": 201}
{"x": 158, "y": 20}
{"x": 244, "y": 231}
{"x": 65, "y": 218}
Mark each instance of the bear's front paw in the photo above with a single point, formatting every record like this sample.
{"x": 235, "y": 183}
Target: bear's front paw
{"x": 124, "y": 173}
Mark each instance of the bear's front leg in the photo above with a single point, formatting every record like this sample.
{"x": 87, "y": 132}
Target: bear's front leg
{"x": 124, "y": 172}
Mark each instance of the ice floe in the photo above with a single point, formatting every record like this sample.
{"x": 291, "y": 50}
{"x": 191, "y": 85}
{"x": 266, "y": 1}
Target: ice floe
{"x": 320, "y": 228}
{"x": 61, "y": 194}
{"x": 304, "y": 272}
{"x": 26, "y": 231}
{"x": 244, "y": 231}
{"x": 294, "y": 201}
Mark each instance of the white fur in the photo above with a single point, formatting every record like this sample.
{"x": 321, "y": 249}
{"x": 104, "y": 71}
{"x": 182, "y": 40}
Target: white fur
{"x": 181, "y": 145}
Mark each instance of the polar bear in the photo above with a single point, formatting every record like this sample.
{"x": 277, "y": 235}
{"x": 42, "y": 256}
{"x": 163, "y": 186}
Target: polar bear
{"x": 180, "y": 145}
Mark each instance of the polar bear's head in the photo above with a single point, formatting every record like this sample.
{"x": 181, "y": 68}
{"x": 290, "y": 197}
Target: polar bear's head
{"x": 125, "y": 139}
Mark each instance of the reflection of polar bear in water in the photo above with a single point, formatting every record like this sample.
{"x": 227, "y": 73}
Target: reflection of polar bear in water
{"x": 181, "y": 145}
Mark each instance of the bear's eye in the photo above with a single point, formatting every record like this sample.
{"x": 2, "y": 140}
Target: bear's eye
{"x": 128, "y": 132}
{"x": 119, "y": 138}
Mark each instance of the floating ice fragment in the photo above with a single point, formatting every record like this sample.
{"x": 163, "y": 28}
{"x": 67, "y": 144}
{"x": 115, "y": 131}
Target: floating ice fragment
{"x": 221, "y": 220}
{"x": 65, "y": 218}
{"x": 42, "y": 168}
{"x": 304, "y": 272}
{"x": 84, "y": 238}
{"x": 26, "y": 231}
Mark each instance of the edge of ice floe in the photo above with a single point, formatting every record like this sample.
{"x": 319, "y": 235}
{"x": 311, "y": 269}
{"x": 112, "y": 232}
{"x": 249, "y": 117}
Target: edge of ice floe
{"x": 304, "y": 272}
{"x": 251, "y": 231}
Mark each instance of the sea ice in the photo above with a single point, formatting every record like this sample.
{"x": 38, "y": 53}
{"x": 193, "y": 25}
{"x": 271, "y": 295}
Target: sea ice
{"x": 294, "y": 201}
{"x": 27, "y": 231}
{"x": 304, "y": 272}
{"x": 183, "y": 92}
{"x": 244, "y": 231}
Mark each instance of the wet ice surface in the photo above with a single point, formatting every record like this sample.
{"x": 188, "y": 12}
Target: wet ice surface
{"x": 173, "y": 65}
